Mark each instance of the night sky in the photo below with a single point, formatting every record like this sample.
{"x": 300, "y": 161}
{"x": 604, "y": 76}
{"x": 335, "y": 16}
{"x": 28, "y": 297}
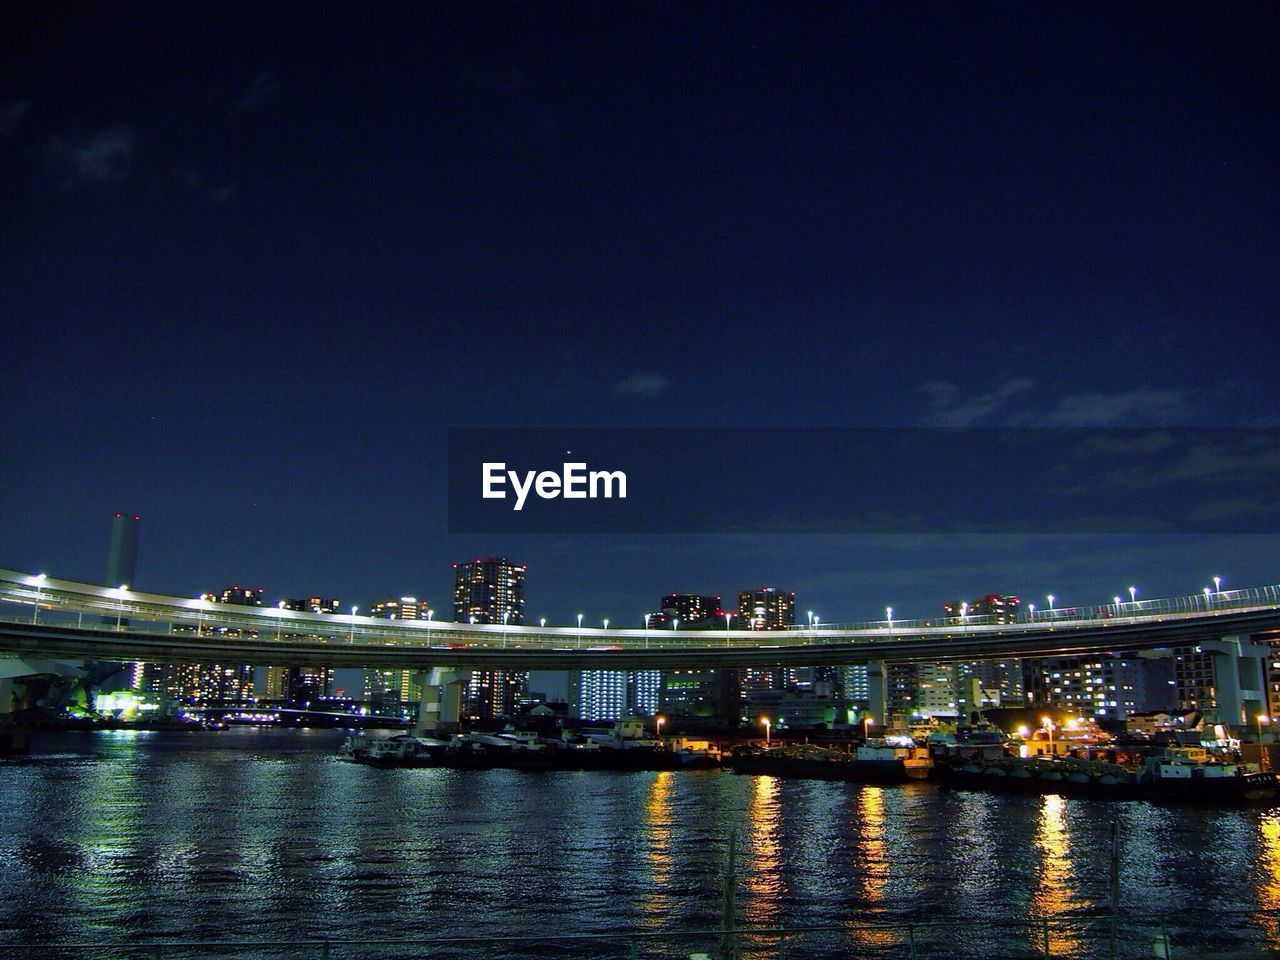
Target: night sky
{"x": 257, "y": 259}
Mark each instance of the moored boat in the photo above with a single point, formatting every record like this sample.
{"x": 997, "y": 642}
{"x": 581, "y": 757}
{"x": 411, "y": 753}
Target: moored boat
{"x": 1179, "y": 775}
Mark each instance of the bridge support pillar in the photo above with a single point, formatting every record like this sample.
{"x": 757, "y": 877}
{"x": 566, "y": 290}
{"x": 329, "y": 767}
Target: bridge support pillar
{"x": 14, "y": 736}
{"x": 1239, "y": 678}
{"x": 878, "y": 692}
{"x": 440, "y": 706}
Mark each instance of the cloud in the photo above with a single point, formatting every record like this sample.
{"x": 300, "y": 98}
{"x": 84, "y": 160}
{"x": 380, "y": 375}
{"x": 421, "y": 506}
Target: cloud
{"x": 641, "y": 386}
{"x": 198, "y": 184}
{"x": 104, "y": 157}
{"x": 263, "y": 89}
{"x": 950, "y": 411}
{"x": 12, "y": 113}
{"x": 1110, "y": 409}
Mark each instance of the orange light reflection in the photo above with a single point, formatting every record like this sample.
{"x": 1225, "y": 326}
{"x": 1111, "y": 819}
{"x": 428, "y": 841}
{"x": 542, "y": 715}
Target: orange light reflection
{"x": 763, "y": 880}
{"x": 1055, "y": 895}
{"x": 658, "y": 819}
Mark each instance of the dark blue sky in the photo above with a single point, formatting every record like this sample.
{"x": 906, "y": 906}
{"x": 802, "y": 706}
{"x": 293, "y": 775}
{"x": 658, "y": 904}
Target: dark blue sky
{"x": 258, "y": 258}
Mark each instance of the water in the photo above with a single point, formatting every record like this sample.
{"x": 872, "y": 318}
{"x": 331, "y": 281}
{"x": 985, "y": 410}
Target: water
{"x": 265, "y": 835}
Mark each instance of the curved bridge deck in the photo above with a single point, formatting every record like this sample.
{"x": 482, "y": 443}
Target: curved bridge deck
{"x": 48, "y": 618}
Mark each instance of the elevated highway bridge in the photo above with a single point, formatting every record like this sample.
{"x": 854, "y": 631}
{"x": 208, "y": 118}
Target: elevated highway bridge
{"x": 43, "y": 618}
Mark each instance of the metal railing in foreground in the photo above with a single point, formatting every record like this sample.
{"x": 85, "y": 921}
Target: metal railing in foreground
{"x": 1192, "y": 934}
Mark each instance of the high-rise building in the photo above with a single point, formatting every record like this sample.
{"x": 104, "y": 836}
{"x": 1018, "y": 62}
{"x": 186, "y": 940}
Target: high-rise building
{"x": 385, "y": 688}
{"x": 303, "y": 684}
{"x": 485, "y": 590}
{"x": 1098, "y": 685}
{"x": 644, "y": 692}
{"x": 205, "y": 683}
{"x": 491, "y": 591}
{"x": 691, "y": 609}
{"x": 122, "y": 556}
{"x": 122, "y": 562}
{"x": 998, "y": 682}
{"x": 766, "y": 609}
{"x": 598, "y": 695}
{"x": 703, "y": 694}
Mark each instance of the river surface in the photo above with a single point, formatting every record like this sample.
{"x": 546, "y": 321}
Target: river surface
{"x": 248, "y": 835}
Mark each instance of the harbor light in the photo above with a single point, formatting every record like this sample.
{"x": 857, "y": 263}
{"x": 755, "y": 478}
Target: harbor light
{"x": 1048, "y": 725}
{"x": 765, "y": 721}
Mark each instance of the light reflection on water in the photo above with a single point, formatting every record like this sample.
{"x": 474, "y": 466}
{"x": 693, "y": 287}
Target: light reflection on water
{"x": 1055, "y": 896}
{"x": 762, "y": 883}
{"x": 264, "y": 834}
{"x": 661, "y": 855}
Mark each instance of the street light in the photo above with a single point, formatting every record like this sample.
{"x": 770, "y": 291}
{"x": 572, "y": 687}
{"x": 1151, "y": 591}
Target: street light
{"x": 646, "y": 629}
{"x": 1031, "y": 615}
{"x": 1133, "y": 594}
{"x": 40, "y": 579}
{"x": 505, "y": 615}
{"x": 866, "y": 727}
{"x": 1262, "y": 718}
{"x": 606, "y": 623}
{"x": 579, "y": 630}
{"x": 280, "y": 607}
{"x": 1217, "y": 584}
{"x": 430, "y": 614}
{"x": 1207, "y": 600}
{"x": 352, "y": 638}
{"x": 660, "y": 721}
{"x": 1050, "y": 599}
{"x": 542, "y": 622}
{"x": 767, "y": 726}
{"x": 1048, "y": 723}
{"x": 1117, "y": 600}
{"x": 120, "y": 606}
{"x": 888, "y": 615}
{"x": 675, "y": 624}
